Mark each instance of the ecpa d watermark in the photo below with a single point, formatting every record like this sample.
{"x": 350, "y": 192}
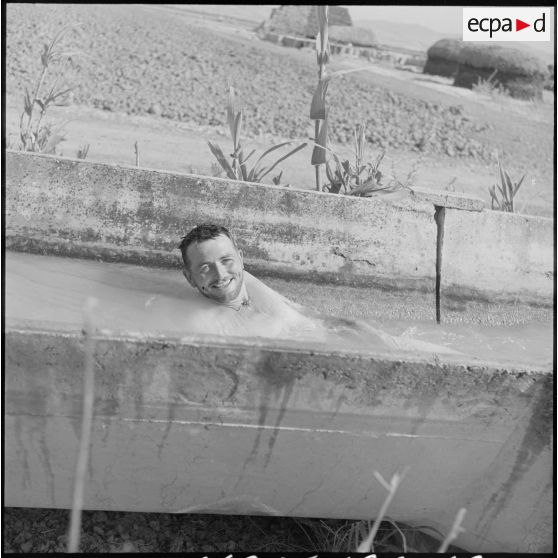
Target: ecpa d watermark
{"x": 506, "y": 24}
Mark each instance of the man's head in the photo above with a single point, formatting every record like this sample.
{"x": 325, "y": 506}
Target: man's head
{"x": 212, "y": 262}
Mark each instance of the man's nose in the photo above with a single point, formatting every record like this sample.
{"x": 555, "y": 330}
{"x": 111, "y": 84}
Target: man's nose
{"x": 220, "y": 271}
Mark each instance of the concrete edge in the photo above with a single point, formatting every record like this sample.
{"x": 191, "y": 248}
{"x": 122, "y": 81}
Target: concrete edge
{"x": 290, "y": 346}
{"x": 76, "y": 208}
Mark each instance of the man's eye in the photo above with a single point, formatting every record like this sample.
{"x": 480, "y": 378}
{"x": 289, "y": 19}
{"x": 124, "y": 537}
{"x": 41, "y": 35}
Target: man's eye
{"x": 204, "y": 269}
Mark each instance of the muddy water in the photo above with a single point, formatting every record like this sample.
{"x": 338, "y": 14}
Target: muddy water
{"x": 130, "y": 298}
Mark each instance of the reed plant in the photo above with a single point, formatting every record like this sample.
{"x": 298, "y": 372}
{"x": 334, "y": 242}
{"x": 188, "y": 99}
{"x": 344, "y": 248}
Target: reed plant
{"x": 35, "y": 134}
{"x": 503, "y": 195}
{"x": 237, "y": 168}
{"x": 363, "y": 178}
{"x": 319, "y": 112}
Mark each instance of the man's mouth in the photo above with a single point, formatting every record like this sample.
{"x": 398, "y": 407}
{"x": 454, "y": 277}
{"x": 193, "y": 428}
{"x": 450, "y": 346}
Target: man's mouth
{"x": 222, "y": 284}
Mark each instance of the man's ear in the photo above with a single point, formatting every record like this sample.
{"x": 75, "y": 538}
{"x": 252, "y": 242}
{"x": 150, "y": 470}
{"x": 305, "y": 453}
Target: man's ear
{"x": 188, "y": 275}
{"x": 241, "y": 257}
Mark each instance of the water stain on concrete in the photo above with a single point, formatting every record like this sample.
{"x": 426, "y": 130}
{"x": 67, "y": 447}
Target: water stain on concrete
{"x": 276, "y": 380}
{"x": 170, "y": 420}
{"x": 536, "y": 438}
{"x": 286, "y": 395}
{"x": 278, "y": 377}
{"x": 19, "y": 437}
{"x": 38, "y": 429}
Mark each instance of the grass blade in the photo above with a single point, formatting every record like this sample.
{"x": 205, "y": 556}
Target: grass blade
{"x": 230, "y": 113}
{"x": 317, "y": 106}
{"x": 518, "y": 185}
{"x": 319, "y": 154}
{"x": 249, "y": 155}
{"x": 454, "y": 531}
{"x": 237, "y": 129}
{"x": 86, "y": 422}
{"x": 219, "y": 155}
{"x": 242, "y": 165}
{"x": 322, "y": 38}
{"x": 292, "y": 152}
{"x": 256, "y": 170}
{"x": 391, "y": 487}
{"x": 323, "y": 16}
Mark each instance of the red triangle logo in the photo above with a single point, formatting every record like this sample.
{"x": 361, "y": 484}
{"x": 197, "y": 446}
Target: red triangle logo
{"x": 519, "y": 25}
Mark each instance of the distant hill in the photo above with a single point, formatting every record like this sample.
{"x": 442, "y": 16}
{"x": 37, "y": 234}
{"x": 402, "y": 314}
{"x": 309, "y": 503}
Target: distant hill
{"x": 250, "y": 12}
{"x": 405, "y": 35}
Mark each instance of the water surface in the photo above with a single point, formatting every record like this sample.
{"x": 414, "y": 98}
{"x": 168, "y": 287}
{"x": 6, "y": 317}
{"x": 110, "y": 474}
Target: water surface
{"x": 52, "y": 290}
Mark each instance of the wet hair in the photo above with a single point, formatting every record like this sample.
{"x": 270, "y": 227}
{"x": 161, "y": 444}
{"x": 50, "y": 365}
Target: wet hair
{"x": 205, "y": 231}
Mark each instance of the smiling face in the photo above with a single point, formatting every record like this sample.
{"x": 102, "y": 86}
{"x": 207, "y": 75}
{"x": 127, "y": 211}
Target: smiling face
{"x": 215, "y": 268}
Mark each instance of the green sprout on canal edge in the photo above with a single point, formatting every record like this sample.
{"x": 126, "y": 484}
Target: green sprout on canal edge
{"x": 503, "y": 198}
{"x": 238, "y": 169}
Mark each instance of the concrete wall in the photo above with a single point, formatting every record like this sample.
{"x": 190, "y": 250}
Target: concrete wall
{"x": 493, "y": 251}
{"x": 83, "y": 209}
{"x": 242, "y": 426}
{"x": 80, "y": 208}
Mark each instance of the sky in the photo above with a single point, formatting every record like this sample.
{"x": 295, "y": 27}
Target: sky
{"x": 445, "y": 19}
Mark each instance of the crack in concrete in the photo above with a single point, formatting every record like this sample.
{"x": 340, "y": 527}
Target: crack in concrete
{"x": 337, "y": 252}
{"x": 306, "y": 495}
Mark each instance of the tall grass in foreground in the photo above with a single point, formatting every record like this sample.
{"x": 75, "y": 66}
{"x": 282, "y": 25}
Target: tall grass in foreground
{"x": 381, "y": 535}
{"x": 367, "y": 544}
{"x": 86, "y": 423}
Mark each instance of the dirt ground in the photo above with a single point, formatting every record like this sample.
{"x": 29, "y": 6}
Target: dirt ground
{"x": 181, "y": 147}
{"x": 520, "y": 132}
